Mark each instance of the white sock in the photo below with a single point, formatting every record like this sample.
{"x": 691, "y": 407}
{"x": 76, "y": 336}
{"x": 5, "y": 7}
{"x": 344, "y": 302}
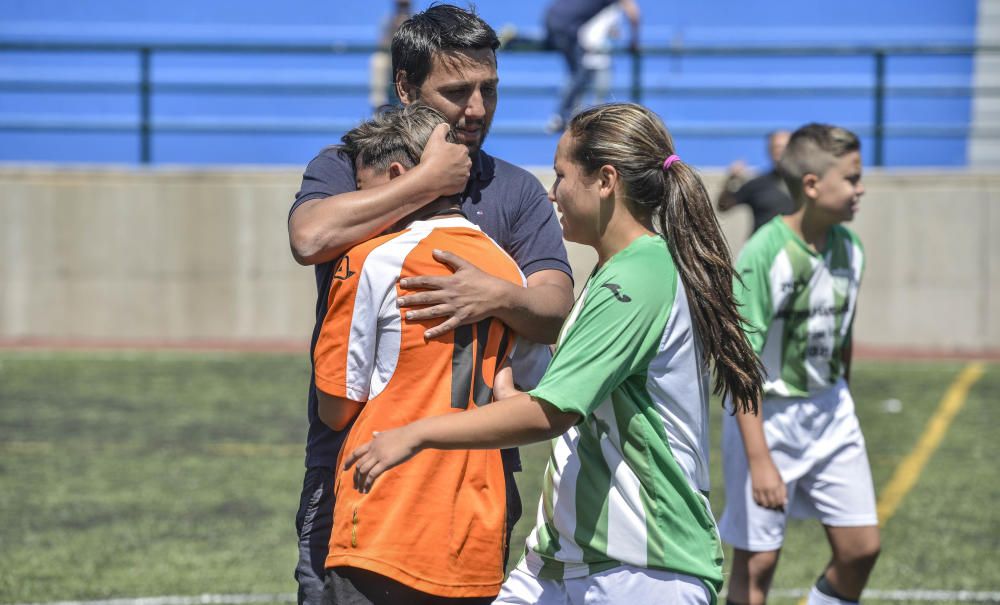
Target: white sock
{"x": 818, "y": 598}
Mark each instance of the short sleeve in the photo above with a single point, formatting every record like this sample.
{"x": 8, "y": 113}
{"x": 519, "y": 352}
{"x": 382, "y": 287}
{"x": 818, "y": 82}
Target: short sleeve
{"x": 752, "y": 290}
{"x": 536, "y": 242}
{"x": 329, "y": 173}
{"x": 616, "y": 333}
{"x": 344, "y": 357}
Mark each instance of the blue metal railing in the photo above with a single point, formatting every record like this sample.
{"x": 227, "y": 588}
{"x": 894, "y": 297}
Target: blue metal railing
{"x": 146, "y": 87}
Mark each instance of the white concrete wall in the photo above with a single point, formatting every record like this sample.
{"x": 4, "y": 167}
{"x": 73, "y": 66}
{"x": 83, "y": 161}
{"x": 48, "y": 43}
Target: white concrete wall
{"x": 160, "y": 255}
{"x": 176, "y": 255}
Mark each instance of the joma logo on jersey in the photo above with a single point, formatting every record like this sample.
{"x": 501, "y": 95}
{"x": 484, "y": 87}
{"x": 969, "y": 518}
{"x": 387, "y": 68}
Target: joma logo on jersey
{"x": 343, "y": 270}
{"x": 617, "y": 291}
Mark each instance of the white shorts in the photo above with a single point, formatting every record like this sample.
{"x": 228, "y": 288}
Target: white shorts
{"x": 819, "y": 450}
{"x": 623, "y": 584}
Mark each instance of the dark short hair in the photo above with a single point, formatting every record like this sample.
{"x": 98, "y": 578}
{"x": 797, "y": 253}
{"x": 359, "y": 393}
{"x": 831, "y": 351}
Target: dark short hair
{"x": 397, "y": 134}
{"x": 812, "y": 149}
{"x": 442, "y": 27}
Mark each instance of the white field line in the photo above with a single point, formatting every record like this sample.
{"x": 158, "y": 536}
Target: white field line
{"x": 966, "y": 596}
{"x": 203, "y": 599}
{"x": 138, "y": 355}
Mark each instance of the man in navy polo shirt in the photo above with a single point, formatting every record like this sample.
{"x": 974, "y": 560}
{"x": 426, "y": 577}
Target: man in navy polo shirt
{"x": 445, "y": 58}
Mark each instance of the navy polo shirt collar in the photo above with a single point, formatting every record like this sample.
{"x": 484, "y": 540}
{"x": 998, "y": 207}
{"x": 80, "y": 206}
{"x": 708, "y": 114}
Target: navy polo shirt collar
{"x": 482, "y": 166}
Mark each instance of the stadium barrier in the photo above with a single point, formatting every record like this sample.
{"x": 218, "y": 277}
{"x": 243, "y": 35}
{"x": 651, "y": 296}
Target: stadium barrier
{"x": 184, "y": 256}
{"x": 145, "y": 86}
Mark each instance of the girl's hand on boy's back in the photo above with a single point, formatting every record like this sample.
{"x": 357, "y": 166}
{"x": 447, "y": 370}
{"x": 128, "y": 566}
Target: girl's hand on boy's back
{"x": 512, "y": 422}
{"x": 386, "y": 450}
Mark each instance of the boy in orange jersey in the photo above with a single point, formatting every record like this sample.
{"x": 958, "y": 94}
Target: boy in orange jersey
{"x": 434, "y": 531}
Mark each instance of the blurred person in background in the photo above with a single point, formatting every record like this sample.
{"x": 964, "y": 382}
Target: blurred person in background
{"x": 767, "y": 194}
{"x": 444, "y": 57}
{"x": 596, "y": 38}
{"x": 380, "y": 79}
{"x": 564, "y": 23}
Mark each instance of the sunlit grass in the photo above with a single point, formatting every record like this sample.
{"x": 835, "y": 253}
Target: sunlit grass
{"x": 148, "y": 474}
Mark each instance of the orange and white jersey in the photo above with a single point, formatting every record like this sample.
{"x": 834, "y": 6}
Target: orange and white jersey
{"x": 436, "y": 523}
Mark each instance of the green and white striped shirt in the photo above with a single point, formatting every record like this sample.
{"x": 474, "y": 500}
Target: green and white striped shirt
{"x": 628, "y": 484}
{"x": 799, "y": 305}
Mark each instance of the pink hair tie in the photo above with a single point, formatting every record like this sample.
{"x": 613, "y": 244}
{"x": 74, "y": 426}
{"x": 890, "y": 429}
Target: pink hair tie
{"x": 670, "y": 160}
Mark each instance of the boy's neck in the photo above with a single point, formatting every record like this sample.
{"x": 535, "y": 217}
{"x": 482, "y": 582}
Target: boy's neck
{"x": 809, "y": 225}
{"x": 442, "y": 207}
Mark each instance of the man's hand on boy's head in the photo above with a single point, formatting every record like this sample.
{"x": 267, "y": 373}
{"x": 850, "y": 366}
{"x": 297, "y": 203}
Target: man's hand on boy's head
{"x": 466, "y": 296}
{"x": 445, "y": 165}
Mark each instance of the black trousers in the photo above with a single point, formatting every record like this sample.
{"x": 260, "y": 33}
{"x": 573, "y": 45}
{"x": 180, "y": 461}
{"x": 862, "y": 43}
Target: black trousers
{"x": 352, "y": 586}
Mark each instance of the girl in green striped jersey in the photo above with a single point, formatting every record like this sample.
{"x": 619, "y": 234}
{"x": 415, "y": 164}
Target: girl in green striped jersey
{"x": 624, "y": 510}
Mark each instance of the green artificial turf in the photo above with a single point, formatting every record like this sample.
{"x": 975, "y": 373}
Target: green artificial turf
{"x": 146, "y": 474}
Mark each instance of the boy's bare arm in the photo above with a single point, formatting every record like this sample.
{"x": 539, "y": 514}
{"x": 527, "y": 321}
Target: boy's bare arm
{"x": 320, "y": 230}
{"x": 768, "y": 486}
{"x": 516, "y": 421}
{"x": 337, "y": 412}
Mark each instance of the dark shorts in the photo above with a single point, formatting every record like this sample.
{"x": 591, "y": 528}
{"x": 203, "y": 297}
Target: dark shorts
{"x": 352, "y": 586}
{"x": 314, "y": 522}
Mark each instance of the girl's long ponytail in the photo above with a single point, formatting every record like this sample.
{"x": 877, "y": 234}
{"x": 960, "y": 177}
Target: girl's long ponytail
{"x": 702, "y": 258}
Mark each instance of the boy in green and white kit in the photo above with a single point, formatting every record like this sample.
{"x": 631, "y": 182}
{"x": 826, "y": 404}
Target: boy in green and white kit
{"x": 805, "y": 454}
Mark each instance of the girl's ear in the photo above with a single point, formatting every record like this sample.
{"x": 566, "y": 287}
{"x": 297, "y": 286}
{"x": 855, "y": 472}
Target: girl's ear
{"x": 607, "y": 180}
{"x": 809, "y": 186}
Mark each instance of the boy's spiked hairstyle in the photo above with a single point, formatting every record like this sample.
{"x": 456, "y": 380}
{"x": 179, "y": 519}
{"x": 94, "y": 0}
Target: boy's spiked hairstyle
{"x": 442, "y": 27}
{"x": 397, "y": 134}
{"x": 812, "y": 149}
